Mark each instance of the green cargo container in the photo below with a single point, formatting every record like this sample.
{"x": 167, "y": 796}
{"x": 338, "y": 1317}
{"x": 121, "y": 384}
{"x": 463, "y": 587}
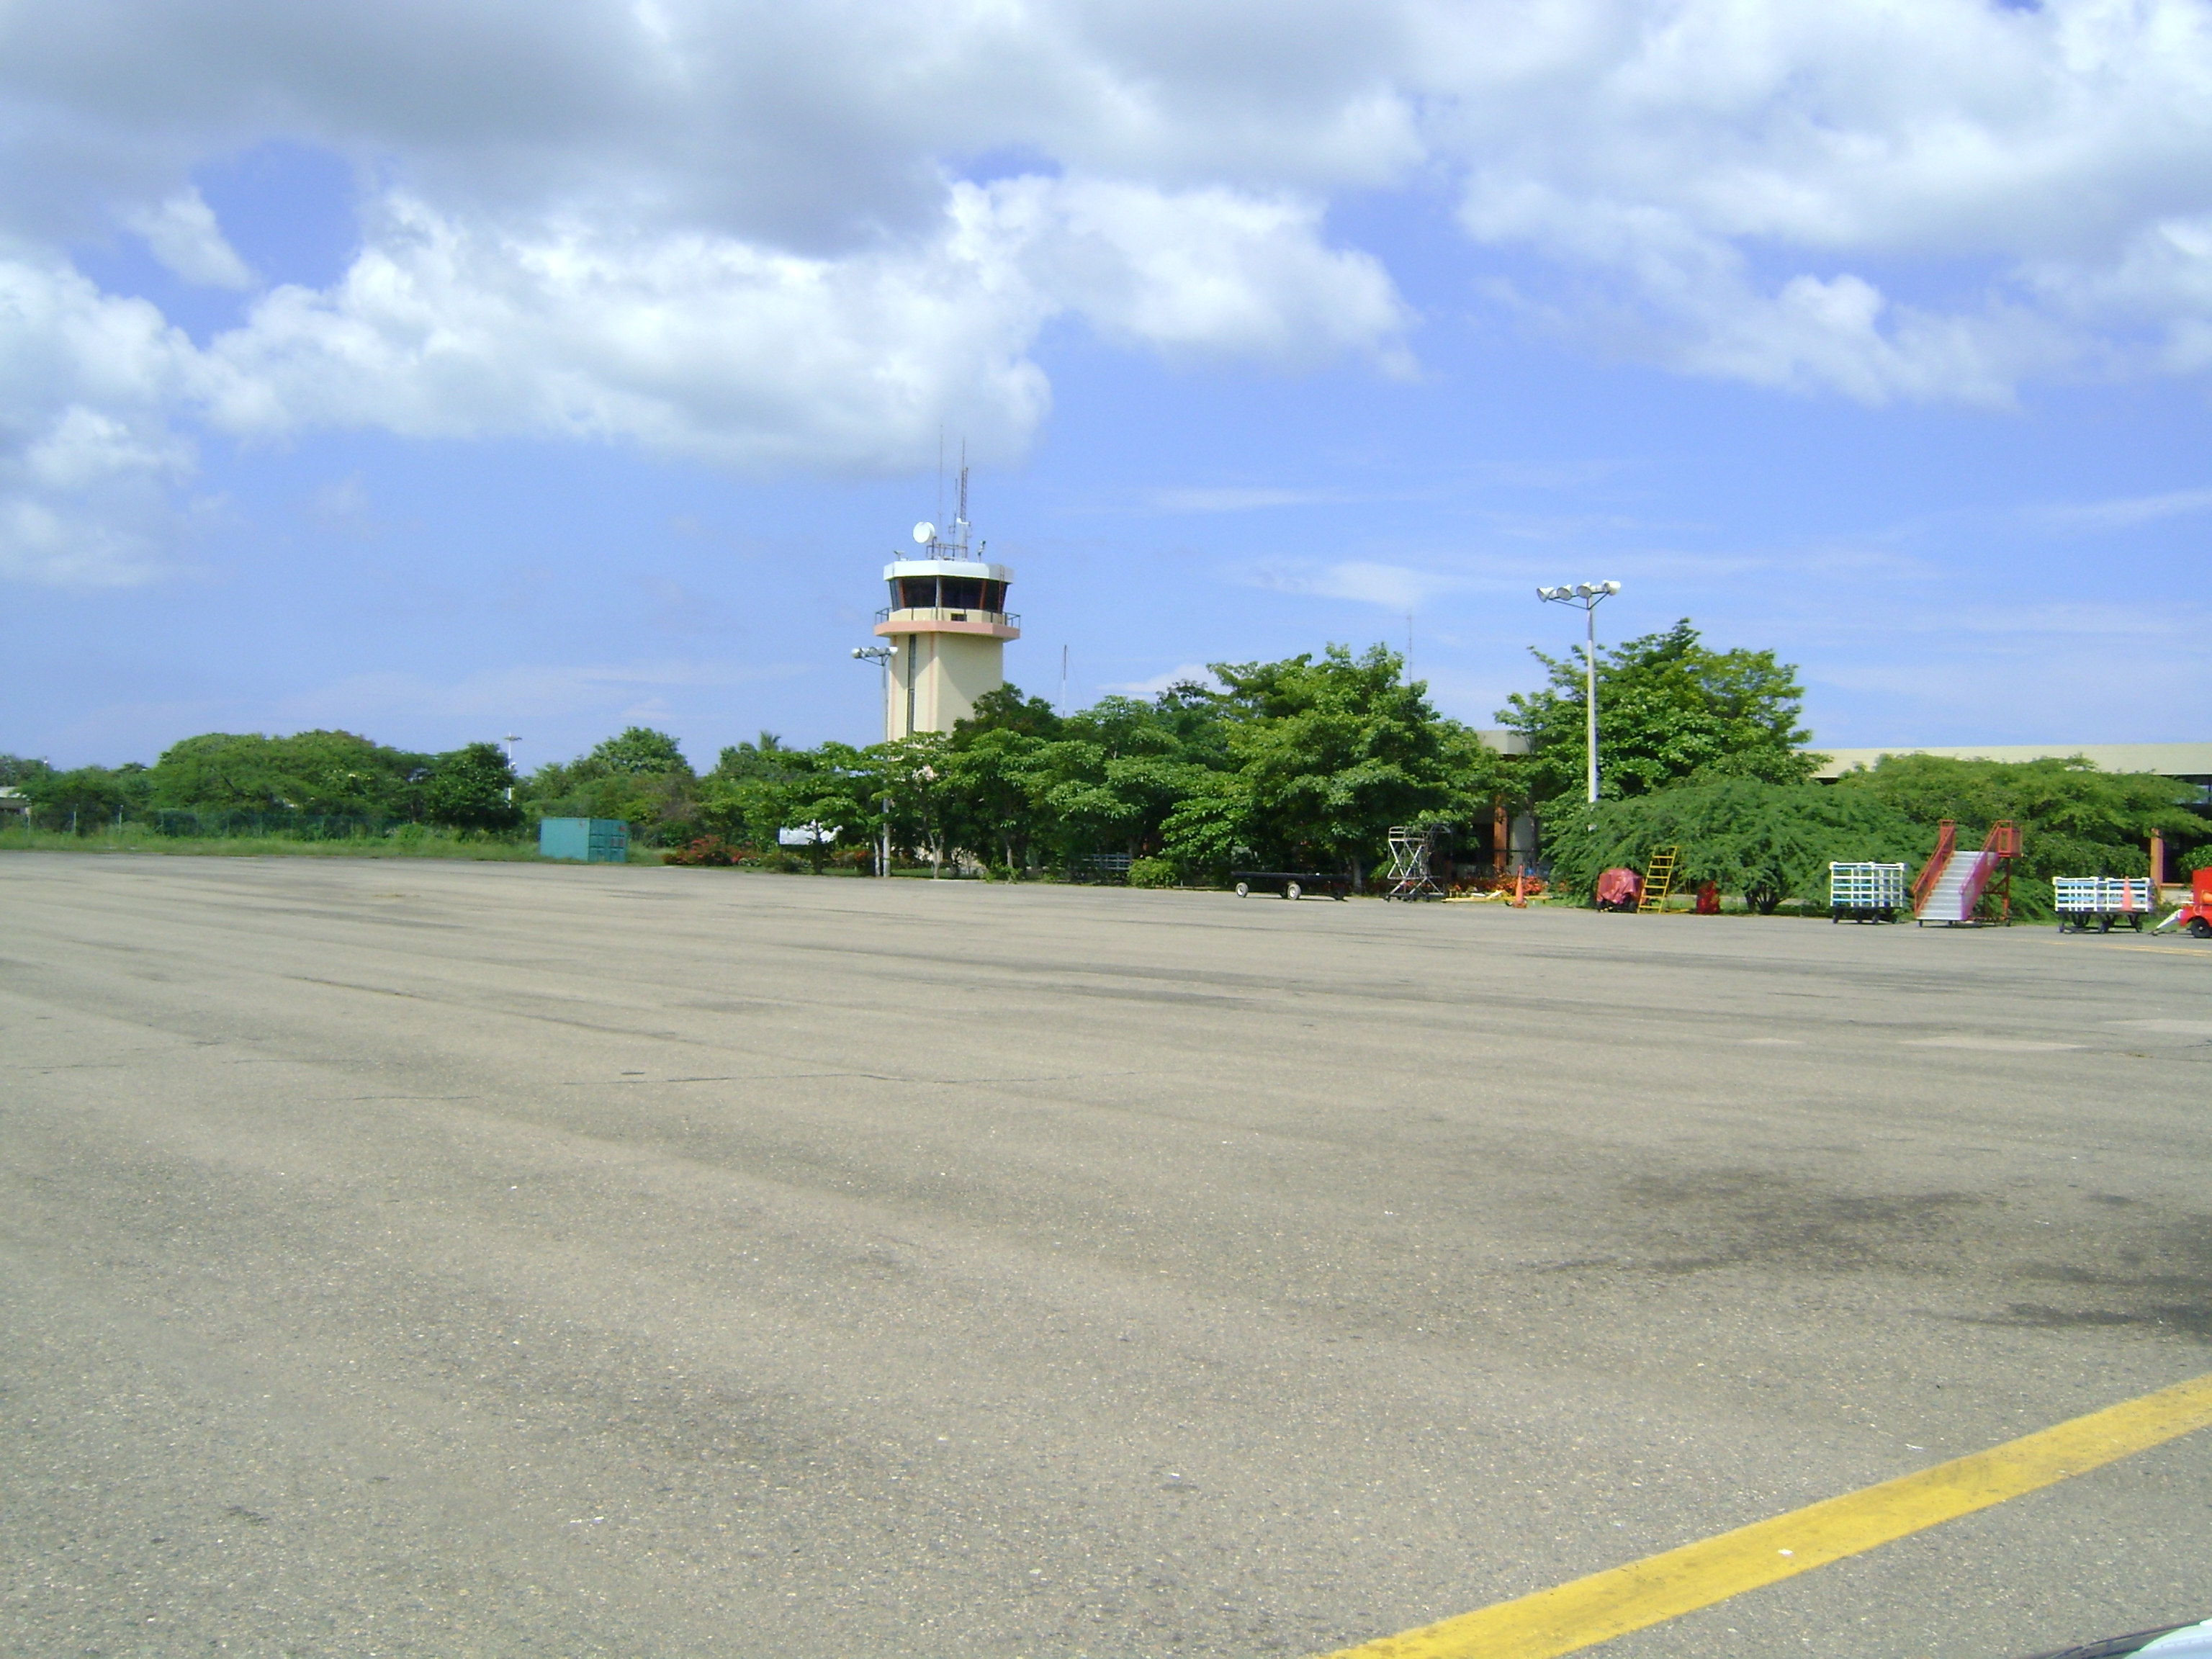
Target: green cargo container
{"x": 587, "y": 841}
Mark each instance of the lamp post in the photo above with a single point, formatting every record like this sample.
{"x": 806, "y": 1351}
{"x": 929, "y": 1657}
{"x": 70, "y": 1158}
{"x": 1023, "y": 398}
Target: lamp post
{"x": 511, "y": 740}
{"x": 881, "y": 655}
{"x": 1589, "y": 595}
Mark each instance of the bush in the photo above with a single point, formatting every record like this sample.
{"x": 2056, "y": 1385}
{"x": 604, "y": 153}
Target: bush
{"x": 706, "y": 850}
{"x": 1769, "y": 841}
{"x": 1153, "y": 872}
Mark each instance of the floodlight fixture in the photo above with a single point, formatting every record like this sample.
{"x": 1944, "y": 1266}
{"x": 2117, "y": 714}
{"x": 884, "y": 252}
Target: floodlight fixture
{"x": 1589, "y": 595}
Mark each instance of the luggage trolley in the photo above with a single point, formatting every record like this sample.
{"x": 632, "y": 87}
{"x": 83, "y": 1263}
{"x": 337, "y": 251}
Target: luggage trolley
{"x": 2083, "y": 901}
{"x": 1865, "y": 892}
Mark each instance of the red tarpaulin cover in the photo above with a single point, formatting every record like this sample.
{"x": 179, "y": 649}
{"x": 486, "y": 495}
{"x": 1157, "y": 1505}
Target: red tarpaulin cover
{"x": 1619, "y": 887}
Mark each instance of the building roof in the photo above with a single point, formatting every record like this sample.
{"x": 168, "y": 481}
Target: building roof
{"x": 2193, "y": 761}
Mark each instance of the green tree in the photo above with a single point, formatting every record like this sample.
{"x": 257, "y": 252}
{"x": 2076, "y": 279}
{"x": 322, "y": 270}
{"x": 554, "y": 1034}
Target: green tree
{"x": 640, "y": 777}
{"x": 1669, "y": 708}
{"x": 641, "y": 751}
{"x": 1327, "y": 756}
{"x": 470, "y": 789}
{"x": 86, "y": 798}
{"x": 313, "y": 772}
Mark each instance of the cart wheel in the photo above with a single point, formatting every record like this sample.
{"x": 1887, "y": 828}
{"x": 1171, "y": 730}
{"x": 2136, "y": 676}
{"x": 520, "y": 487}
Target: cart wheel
{"x": 1243, "y": 890}
{"x": 2199, "y": 928}
{"x": 1291, "y": 890}
{"x": 2104, "y": 924}
{"x": 2136, "y": 922}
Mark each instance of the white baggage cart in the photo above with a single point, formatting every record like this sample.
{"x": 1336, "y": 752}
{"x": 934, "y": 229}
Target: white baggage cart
{"x": 2085, "y": 902}
{"x": 1865, "y": 892}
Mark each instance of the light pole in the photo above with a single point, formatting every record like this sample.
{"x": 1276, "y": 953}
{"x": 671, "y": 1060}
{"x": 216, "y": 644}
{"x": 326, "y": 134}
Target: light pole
{"x": 881, "y": 655}
{"x": 1589, "y": 595}
{"x": 511, "y": 740}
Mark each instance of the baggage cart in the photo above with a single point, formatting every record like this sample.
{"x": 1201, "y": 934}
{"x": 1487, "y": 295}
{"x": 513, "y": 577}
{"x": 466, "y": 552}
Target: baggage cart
{"x": 2098, "y": 901}
{"x": 1865, "y": 892}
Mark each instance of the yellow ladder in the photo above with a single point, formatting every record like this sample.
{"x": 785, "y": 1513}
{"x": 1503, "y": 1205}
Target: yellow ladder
{"x": 1657, "y": 880}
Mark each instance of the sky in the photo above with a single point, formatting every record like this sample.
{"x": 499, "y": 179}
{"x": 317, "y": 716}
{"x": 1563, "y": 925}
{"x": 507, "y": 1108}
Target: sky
{"x": 445, "y": 371}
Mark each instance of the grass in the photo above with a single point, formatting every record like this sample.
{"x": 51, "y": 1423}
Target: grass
{"x": 411, "y": 843}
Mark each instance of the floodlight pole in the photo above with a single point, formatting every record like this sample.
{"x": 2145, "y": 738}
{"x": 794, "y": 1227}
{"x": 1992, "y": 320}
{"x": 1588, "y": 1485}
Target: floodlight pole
{"x": 882, "y": 655}
{"x": 1589, "y": 595}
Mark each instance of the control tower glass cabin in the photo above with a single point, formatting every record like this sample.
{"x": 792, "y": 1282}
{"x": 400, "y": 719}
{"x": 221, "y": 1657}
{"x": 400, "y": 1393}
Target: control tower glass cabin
{"x": 948, "y": 626}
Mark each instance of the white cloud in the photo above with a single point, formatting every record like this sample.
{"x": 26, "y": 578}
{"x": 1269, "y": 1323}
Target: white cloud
{"x": 527, "y": 691}
{"x": 89, "y": 464}
{"x": 1184, "y": 673}
{"x": 1235, "y": 498}
{"x": 2119, "y": 514}
{"x": 1393, "y": 586}
{"x": 182, "y": 234}
{"x": 739, "y": 232}
{"x": 726, "y": 350}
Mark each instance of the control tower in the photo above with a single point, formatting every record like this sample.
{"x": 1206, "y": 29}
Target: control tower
{"x": 948, "y": 626}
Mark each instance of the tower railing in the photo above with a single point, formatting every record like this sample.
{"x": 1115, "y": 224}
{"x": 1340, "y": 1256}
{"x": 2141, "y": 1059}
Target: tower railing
{"x": 949, "y": 613}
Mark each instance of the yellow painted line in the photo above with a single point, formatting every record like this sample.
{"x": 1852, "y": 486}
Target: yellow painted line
{"x": 1572, "y": 1617}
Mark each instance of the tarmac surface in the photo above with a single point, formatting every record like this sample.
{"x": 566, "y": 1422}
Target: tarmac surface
{"x": 440, "y": 1259}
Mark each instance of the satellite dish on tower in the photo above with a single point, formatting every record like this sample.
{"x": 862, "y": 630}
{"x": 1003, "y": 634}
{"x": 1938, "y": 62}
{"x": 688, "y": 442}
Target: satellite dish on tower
{"x": 924, "y": 532}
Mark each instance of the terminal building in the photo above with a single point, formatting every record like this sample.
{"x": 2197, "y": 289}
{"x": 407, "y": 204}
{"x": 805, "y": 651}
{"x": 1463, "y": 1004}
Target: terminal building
{"x": 947, "y": 626}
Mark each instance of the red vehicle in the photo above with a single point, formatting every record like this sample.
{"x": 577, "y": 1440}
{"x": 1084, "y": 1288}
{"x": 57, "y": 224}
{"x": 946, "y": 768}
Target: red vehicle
{"x": 2196, "y": 915}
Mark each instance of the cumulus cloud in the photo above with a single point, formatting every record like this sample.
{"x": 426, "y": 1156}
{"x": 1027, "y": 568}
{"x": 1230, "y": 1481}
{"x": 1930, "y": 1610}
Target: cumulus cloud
{"x": 774, "y": 237}
{"x": 182, "y": 234}
{"x": 88, "y": 459}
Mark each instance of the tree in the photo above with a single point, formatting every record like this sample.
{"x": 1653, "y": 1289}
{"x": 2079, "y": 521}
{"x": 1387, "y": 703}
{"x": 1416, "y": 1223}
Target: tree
{"x": 85, "y": 798}
{"x": 1669, "y": 709}
{"x": 314, "y": 773}
{"x": 470, "y": 789}
{"x": 1328, "y": 755}
{"x": 642, "y": 751}
{"x": 640, "y": 777}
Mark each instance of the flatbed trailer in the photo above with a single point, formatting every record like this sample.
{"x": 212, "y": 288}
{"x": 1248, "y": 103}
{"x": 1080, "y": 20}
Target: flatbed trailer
{"x": 2084, "y": 901}
{"x": 1290, "y": 884}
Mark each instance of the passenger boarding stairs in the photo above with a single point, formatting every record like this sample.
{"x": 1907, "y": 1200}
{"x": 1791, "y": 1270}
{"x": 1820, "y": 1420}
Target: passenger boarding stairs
{"x": 1953, "y": 882}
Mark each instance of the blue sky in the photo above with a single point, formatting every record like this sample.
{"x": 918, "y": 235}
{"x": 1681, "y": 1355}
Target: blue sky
{"x": 399, "y": 369}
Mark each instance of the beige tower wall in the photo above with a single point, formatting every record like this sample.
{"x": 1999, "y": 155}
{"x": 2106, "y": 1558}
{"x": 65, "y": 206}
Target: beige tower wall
{"x": 936, "y": 679}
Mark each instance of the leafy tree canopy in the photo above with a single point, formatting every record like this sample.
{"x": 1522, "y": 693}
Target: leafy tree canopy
{"x": 641, "y": 751}
{"x": 1669, "y": 709}
{"x": 311, "y": 772}
{"x": 470, "y": 789}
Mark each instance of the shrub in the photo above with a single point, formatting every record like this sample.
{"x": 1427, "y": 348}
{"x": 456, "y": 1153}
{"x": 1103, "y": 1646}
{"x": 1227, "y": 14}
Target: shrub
{"x": 1153, "y": 873}
{"x": 706, "y": 850}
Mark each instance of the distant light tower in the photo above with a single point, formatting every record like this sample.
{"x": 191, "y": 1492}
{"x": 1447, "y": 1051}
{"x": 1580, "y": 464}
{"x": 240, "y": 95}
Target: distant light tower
{"x": 948, "y": 626}
{"x": 511, "y": 741}
{"x": 1589, "y": 595}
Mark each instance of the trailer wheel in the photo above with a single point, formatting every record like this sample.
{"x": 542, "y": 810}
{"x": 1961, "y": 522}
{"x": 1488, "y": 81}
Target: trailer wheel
{"x": 1291, "y": 890}
{"x": 1243, "y": 890}
{"x": 2104, "y": 924}
{"x": 2199, "y": 928}
{"x": 2136, "y": 922}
